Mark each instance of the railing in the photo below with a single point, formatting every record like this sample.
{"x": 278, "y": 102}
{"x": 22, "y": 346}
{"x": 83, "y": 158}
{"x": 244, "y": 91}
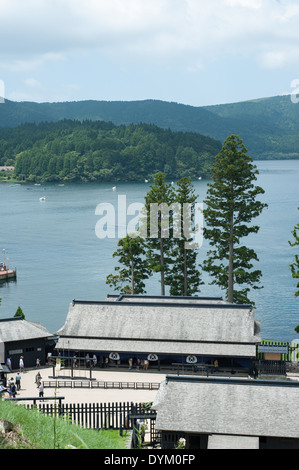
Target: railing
{"x": 271, "y": 367}
{"x": 101, "y": 384}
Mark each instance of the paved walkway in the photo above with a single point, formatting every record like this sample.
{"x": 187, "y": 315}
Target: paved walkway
{"x": 84, "y": 395}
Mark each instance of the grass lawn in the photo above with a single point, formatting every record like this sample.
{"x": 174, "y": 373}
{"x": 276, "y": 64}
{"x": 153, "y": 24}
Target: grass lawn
{"x": 38, "y": 431}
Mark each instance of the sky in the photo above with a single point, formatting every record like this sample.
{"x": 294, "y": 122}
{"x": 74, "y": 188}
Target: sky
{"x": 195, "y": 52}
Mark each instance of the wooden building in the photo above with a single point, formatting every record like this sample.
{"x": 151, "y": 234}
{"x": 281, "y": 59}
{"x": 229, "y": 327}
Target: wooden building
{"x": 162, "y": 330}
{"x": 20, "y": 337}
{"x": 228, "y": 413}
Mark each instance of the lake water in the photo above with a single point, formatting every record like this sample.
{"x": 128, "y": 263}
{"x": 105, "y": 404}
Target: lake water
{"x": 59, "y": 257}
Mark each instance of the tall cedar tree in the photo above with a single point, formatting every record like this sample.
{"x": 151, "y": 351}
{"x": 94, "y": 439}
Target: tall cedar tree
{"x": 131, "y": 254}
{"x": 185, "y": 277}
{"x": 295, "y": 266}
{"x": 231, "y": 204}
{"x": 159, "y": 227}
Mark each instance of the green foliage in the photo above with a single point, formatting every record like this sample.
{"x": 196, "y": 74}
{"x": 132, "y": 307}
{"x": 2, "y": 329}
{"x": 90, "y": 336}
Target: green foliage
{"x": 185, "y": 278}
{"x": 130, "y": 254}
{"x": 159, "y": 227}
{"x": 37, "y": 428}
{"x": 231, "y": 205}
{"x": 295, "y": 266}
{"x": 269, "y": 126}
{"x": 74, "y": 151}
{"x": 20, "y": 313}
{"x": 164, "y": 245}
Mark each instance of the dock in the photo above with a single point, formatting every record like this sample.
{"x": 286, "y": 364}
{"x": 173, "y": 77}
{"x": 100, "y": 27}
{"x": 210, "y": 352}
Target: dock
{"x": 6, "y": 275}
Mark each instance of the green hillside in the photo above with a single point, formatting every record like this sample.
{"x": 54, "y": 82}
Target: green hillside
{"x": 75, "y": 151}
{"x": 269, "y": 126}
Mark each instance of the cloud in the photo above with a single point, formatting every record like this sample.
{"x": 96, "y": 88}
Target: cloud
{"x": 32, "y": 83}
{"x": 193, "y": 31}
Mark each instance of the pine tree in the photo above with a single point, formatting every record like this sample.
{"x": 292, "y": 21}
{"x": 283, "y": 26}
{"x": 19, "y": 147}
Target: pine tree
{"x": 295, "y": 266}
{"x": 158, "y": 224}
{"x": 231, "y": 205}
{"x": 185, "y": 278}
{"x": 131, "y": 255}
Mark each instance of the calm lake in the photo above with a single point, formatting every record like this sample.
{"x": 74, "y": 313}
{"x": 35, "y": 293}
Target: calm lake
{"x": 59, "y": 258}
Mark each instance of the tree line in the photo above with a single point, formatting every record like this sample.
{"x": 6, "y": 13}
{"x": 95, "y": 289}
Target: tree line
{"x": 96, "y": 151}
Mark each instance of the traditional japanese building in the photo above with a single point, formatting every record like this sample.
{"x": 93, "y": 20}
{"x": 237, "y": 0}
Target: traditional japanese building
{"x": 20, "y": 337}
{"x": 228, "y": 413}
{"x": 162, "y": 330}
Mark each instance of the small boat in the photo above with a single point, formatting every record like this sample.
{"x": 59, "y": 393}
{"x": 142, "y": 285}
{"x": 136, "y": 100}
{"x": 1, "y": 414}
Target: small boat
{"x": 42, "y": 198}
{"x": 114, "y": 188}
{"x": 146, "y": 181}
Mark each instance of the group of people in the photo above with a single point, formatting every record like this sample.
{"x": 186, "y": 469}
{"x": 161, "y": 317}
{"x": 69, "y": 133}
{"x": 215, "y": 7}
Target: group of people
{"x": 140, "y": 364}
{"x": 13, "y": 386}
{"x": 21, "y": 364}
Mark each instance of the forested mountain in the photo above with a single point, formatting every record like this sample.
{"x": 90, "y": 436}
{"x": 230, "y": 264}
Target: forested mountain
{"x": 101, "y": 151}
{"x": 269, "y": 127}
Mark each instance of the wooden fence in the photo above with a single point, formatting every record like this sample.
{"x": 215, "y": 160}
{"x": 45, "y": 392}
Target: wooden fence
{"x": 98, "y": 415}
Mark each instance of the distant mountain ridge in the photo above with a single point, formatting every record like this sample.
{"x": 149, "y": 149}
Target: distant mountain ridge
{"x": 268, "y": 126}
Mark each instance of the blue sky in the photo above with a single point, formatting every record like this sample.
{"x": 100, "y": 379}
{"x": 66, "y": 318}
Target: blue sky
{"x": 196, "y": 52}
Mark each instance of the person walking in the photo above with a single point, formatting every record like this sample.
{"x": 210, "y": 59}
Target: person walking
{"x": 21, "y": 364}
{"x": 18, "y": 381}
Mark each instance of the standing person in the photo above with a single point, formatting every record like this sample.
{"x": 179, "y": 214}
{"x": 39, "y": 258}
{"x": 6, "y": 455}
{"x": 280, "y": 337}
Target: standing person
{"x": 87, "y": 359}
{"x": 18, "y": 381}
{"x": 75, "y": 360}
{"x": 8, "y": 363}
{"x": 41, "y": 390}
{"x": 94, "y": 358}
{"x": 37, "y": 362}
{"x": 130, "y": 363}
{"x": 13, "y": 390}
{"x": 21, "y": 364}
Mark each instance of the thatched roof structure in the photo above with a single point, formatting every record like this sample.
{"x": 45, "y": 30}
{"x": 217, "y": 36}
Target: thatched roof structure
{"x": 197, "y": 326}
{"x": 228, "y": 407}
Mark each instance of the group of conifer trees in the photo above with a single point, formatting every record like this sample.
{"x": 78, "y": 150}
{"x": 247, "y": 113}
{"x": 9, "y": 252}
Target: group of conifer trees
{"x": 231, "y": 204}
